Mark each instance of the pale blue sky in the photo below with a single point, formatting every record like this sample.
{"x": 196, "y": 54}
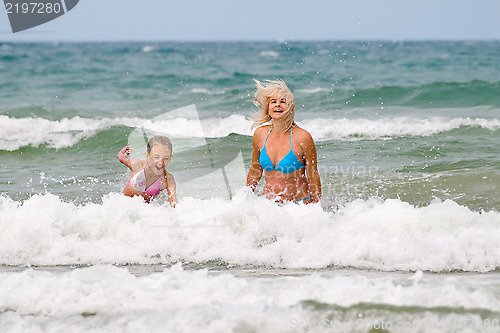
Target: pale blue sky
{"x": 196, "y": 20}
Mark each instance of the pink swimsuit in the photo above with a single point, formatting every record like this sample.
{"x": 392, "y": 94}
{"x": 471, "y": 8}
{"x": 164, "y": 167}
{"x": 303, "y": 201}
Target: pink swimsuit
{"x": 138, "y": 182}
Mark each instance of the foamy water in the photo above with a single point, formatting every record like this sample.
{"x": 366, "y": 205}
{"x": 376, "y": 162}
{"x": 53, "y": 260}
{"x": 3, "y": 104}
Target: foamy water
{"x": 406, "y": 239}
{"x": 105, "y": 298}
{"x": 374, "y": 234}
{"x": 21, "y": 132}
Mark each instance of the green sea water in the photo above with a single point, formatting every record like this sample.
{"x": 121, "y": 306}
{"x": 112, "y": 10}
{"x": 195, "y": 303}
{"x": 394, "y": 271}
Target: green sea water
{"x": 407, "y": 137}
{"x": 420, "y": 110}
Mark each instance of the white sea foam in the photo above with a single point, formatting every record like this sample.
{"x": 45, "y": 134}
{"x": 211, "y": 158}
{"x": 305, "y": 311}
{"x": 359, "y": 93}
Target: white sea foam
{"x": 339, "y": 129}
{"x": 313, "y": 90}
{"x": 19, "y": 132}
{"x": 112, "y": 299}
{"x": 207, "y": 91}
{"x": 381, "y": 235}
{"x": 148, "y": 48}
{"x": 270, "y": 54}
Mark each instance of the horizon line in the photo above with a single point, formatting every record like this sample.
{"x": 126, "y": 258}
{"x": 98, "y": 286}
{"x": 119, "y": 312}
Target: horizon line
{"x": 279, "y": 41}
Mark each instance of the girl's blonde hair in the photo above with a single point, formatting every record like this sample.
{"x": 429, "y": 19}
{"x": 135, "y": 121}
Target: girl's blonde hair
{"x": 159, "y": 140}
{"x": 262, "y": 98}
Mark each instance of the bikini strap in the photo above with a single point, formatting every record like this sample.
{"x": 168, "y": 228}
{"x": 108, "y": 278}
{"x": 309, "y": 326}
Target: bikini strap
{"x": 291, "y": 138}
{"x": 267, "y": 136}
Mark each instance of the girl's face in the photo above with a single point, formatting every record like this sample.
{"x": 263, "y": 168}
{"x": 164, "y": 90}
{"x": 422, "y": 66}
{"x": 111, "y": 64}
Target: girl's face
{"x": 278, "y": 107}
{"x": 159, "y": 157}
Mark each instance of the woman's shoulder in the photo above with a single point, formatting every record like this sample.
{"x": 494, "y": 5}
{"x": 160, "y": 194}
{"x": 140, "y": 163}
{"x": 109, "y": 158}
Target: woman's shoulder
{"x": 302, "y": 137}
{"x": 301, "y": 134}
{"x": 261, "y": 131}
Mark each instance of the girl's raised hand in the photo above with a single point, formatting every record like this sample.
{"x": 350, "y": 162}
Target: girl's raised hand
{"x": 127, "y": 150}
{"x": 123, "y": 156}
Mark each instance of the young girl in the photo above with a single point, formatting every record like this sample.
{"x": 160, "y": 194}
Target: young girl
{"x": 148, "y": 178}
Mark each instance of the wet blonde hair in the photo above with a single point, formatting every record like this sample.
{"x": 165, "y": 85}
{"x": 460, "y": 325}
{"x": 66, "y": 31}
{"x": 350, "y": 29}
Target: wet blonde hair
{"x": 262, "y": 99}
{"x": 159, "y": 140}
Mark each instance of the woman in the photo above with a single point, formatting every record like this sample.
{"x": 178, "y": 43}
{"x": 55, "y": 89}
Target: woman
{"x": 283, "y": 150}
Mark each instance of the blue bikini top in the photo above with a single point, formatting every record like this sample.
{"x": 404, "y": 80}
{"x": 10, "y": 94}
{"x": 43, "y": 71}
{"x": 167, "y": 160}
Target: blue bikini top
{"x": 288, "y": 164}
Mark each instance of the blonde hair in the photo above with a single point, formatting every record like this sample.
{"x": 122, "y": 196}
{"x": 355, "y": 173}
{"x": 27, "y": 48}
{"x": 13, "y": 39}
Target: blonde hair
{"x": 159, "y": 140}
{"x": 262, "y": 98}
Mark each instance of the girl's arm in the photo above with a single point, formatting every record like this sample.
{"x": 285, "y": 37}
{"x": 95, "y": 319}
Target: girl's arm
{"x": 255, "y": 172}
{"x": 124, "y": 158}
{"x": 171, "y": 188}
{"x": 312, "y": 173}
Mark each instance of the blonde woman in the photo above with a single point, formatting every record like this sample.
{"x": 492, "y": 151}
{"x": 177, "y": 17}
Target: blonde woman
{"x": 283, "y": 151}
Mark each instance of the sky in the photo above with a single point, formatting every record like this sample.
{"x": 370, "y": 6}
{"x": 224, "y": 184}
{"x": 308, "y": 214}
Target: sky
{"x": 237, "y": 20}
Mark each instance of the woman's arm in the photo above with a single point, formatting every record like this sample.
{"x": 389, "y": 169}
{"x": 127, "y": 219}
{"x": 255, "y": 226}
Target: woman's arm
{"x": 312, "y": 173}
{"x": 255, "y": 172}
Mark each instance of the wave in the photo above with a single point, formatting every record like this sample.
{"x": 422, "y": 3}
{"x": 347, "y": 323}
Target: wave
{"x": 270, "y": 54}
{"x": 248, "y": 230}
{"x": 16, "y": 133}
{"x": 469, "y": 183}
{"x": 432, "y": 95}
{"x": 99, "y": 296}
{"x": 314, "y": 90}
{"x": 206, "y": 91}
{"x": 340, "y": 129}
{"x": 20, "y": 132}
{"x": 148, "y": 48}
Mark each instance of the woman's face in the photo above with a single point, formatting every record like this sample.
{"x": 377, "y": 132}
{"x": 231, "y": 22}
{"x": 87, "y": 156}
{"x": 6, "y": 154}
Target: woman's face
{"x": 158, "y": 158}
{"x": 278, "y": 107}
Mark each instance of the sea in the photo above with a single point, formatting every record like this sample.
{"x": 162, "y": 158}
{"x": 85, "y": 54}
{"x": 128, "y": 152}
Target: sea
{"x": 406, "y": 238}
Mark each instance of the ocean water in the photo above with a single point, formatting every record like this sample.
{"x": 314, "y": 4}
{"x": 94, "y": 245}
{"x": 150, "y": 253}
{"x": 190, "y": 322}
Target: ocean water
{"x": 405, "y": 240}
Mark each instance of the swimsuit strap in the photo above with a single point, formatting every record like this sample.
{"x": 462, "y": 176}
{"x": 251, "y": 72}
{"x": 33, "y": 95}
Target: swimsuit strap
{"x": 267, "y": 136}
{"x": 303, "y": 199}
